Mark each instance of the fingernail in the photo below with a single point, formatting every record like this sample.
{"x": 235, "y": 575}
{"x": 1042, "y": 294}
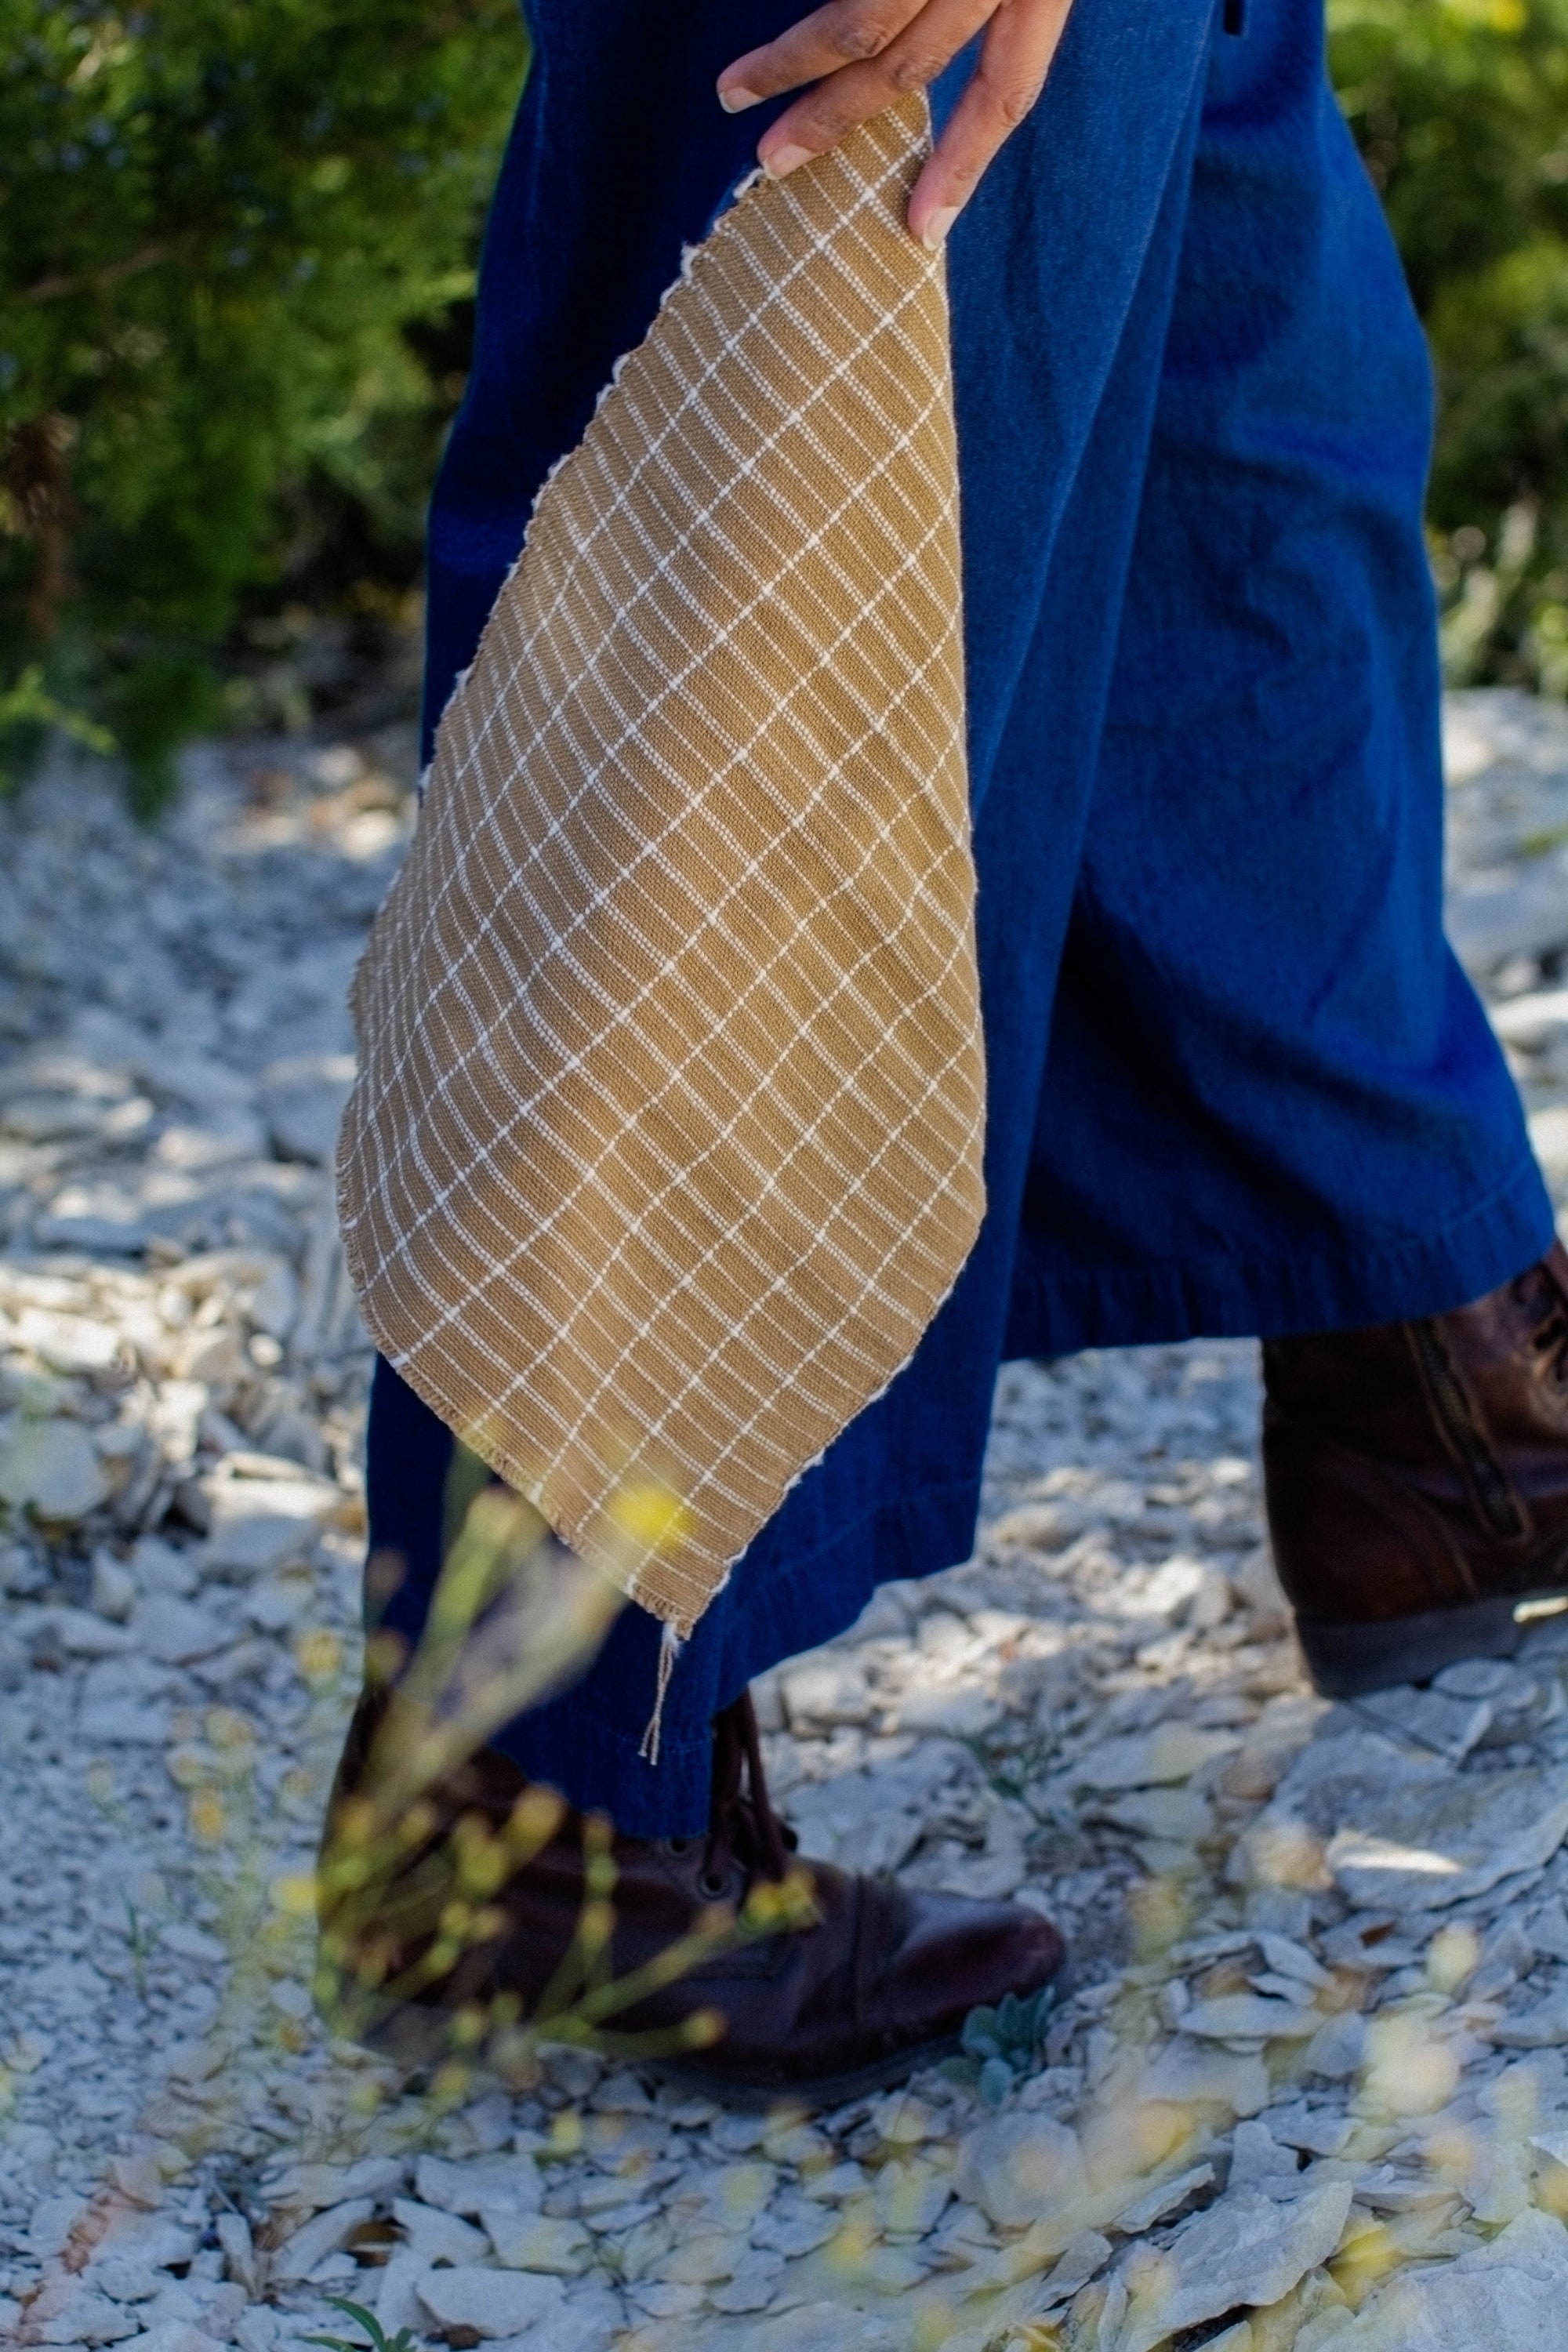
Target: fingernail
{"x": 934, "y": 235}
{"x": 786, "y": 159}
{"x": 737, "y": 98}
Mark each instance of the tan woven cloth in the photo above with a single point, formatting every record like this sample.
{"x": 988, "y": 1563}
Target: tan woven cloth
{"x": 666, "y": 1144}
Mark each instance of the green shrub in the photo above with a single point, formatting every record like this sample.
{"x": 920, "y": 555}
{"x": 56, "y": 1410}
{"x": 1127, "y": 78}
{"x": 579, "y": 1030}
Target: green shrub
{"x": 237, "y": 241}
{"x": 234, "y": 239}
{"x": 1461, "y": 108}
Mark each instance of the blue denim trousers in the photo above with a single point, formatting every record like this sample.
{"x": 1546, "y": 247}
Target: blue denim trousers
{"x": 1238, "y": 1082}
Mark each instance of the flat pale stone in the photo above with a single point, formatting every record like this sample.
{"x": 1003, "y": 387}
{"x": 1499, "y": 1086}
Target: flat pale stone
{"x": 1533, "y": 1019}
{"x": 392, "y": 2292}
{"x": 735, "y": 2194}
{"x": 797, "y": 2227}
{"x": 752, "y": 2288}
{"x": 698, "y": 2258}
{"x": 1542, "y": 2026}
{"x": 69, "y": 1343}
{"x": 1506, "y": 2296}
{"x": 160, "y": 1567}
{"x": 1258, "y": 2160}
{"x": 82, "y": 2317}
{"x": 492, "y": 2303}
{"x": 1042, "y": 1526}
{"x": 1502, "y": 913}
{"x": 224, "y": 1140}
{"x": 1549, "y": 1140}
{"x": 82, "y": 1633}
{"x": 910, "y": 2196}
{"x": 177, "y": 2335}
{"x": 1021, "y": 2168}
{"x": 1551, "y": 2148}
{"x": 1403, "y": 1832}
{"x": 1437, "y": 1719}
{"x": 93, "y": 1217}
{"x": 1506, "y": 1686}
{"x": 824, "y": 2327}
{"x": 1494, "y": 2185}
{"x": 1250, "y": 2016}
{"x": 1248, "y": 2249}
{"x": 1335, "y": 2051}
{"x": 1320, "y": 2131}
{"x": 123, "y": 2281}
{"x": 50, "y": 1467}
{"x": 260, "y": 1523}
{"x": 1082, "y": 2260}
{"x": 1154, "y": 2205}
{"x": 45, "y": 1118}
{"x": 1289, "y": 1959}
{"x": 151, "y": 2238}
{"x": 312, "y": 2186}
{"x": 584, "y": 2323}
{"x": 826, "y": 1690}
{"x": 433, "y": 2236}
{"x": 533, "y": 2241}
{"x": 195, "y": 1944}
{"x": 113, "y": 1593}
{"x": 848, "y": 1819}
{"x": 1177, "y": 1813}
{"x": 1150, "y": 1759}
{"x": 302, "y": 1100}
{"x": 664, "y": 2299}
{"x": 488, "y": 2184}
{"x": 325, "y": 2233}
{"x": 956, "y": 1711}
{"x": 173, "y": 1631}
{"x": 1187, "y": 2074}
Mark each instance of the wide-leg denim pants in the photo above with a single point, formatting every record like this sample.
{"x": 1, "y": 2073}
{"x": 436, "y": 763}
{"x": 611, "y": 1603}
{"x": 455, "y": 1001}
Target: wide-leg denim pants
{"x": 1238, "y": 1082}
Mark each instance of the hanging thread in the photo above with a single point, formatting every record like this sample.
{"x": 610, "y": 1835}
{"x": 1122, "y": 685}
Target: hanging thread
{"x": 669, "y": 1651}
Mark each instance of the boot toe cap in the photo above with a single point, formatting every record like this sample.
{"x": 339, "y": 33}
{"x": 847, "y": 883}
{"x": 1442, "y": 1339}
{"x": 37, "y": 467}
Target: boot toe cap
{"x": 956, "y": 1953}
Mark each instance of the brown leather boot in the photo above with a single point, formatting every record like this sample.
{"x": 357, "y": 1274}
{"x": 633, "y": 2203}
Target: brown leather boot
{"x": 1416, "y": 1476}
{"x": 876, "y": 1980}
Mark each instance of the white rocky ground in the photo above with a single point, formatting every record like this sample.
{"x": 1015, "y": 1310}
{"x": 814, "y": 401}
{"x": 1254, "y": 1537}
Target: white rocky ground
{"x": 1310, "y": 2089}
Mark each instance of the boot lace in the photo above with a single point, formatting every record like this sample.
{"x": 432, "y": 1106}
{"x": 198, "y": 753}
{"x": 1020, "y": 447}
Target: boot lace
{"x": 1542, "y": 1296}
{"x": 743, "y": 1827}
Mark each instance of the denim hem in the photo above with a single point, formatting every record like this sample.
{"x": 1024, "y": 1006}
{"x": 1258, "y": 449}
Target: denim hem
{"x": 1232, "y": 1298}
{"x": 572, "y": 1745}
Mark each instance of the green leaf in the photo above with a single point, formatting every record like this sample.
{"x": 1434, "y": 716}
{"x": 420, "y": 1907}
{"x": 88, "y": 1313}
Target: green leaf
{"x": 996, "y": 2080}
{"x": 379, "y": 2341}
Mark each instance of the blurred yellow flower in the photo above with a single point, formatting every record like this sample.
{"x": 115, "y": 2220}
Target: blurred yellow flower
{"x": 318, "y": 1654}
{"x": 650, "y": 1514}
{"x": 295, "y": 1895}
{"x": 206, "y": 1816}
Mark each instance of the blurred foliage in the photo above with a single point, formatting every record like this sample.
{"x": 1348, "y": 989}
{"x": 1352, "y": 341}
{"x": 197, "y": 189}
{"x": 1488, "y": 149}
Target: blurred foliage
{"x": 1460, "y": 109}
{"x": 236, "y": 249}
{"x": 237, "y": 246}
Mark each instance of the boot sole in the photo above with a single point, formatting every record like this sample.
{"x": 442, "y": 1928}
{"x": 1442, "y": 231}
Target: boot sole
{"x": 414, "y": 2038}
{"x": 418, "y": 2040}
{"x": 1350, "y": 1660}
{"x": 826, "y": 2090}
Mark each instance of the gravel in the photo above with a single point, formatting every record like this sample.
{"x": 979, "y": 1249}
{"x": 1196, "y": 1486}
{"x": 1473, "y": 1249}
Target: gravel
{"x": 1307, "y": 2087}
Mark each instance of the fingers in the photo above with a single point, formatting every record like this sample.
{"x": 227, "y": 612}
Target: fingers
{"x": 841, "y": 34}
{"x": 864, "y": 55}
{"x": 1013, "y": 63}
{"x": 852, "y": 95}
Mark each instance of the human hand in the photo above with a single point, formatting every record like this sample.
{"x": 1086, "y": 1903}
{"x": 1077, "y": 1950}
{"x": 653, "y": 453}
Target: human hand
{"x": 863, "y": 55}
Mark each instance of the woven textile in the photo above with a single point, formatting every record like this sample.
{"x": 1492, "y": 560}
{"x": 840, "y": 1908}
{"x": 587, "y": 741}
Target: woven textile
{"x": 666, "y": 1144}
